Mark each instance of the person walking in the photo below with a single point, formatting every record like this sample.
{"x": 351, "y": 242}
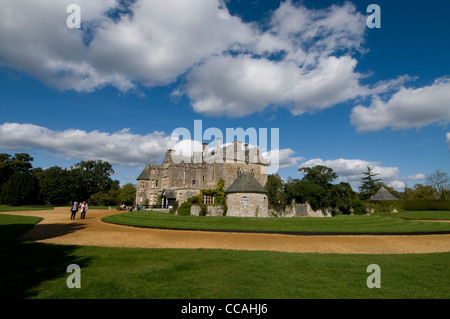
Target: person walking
{"x": 84, "y": 208}
{"x": 74, "y": 210}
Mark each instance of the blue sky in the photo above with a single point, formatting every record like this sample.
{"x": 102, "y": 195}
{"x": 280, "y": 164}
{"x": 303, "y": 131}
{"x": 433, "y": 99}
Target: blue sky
{"x": 341, "y": 94}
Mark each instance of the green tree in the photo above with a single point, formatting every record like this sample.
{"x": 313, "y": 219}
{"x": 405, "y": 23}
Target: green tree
{"x": 56, "y": 186}
{"x": 421, "y": 191}
{"x": 127, "y": 194}
{"x": 19, "y": 163}
{"x": 342, "y": 198}
{"x": 277, "y": 198}
{"x": 304, "y": 191}
{"x": 319, "y": 175}
{"x": 91, "y": 177}
{"x": 20, "y": 189}
{"x": 369, "y": 185}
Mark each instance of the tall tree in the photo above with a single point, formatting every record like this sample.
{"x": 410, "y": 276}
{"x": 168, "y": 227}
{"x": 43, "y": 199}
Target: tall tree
{"x": 56, "y": 186}
{"x": 90, "y": 177}
{"x": 276, "y": 195}
{"x": 21, "y": 188}
{"x": 369, "y": 185}
{"x": 320, "y": 175}
{"x": 19, "y": 163}
{"x": 439, "y": 180}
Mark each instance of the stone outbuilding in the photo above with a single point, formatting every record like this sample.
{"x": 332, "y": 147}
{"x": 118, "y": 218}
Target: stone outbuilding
{"x": 246, "y": 197}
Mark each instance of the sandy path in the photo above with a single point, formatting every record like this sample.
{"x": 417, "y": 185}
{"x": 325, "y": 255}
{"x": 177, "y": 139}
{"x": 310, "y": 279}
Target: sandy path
{"x": 57, "y": 228}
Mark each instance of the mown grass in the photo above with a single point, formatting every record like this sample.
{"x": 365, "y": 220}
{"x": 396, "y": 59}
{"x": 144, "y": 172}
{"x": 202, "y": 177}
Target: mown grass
{"x": 34, "y": 270}
{"x": 7, "y": 208}
{"x": 377, "y": 223}
{"x": 420, "y": 215}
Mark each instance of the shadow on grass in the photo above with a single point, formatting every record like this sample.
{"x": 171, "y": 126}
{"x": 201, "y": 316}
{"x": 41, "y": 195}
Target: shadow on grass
{"x": 46, "y": 231}
{"x": 24, "y": 265}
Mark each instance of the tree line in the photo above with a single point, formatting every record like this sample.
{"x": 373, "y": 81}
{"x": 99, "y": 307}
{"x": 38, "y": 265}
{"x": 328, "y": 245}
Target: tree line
{"x": 21, "y": 184}
{"x": 317, "y": 188}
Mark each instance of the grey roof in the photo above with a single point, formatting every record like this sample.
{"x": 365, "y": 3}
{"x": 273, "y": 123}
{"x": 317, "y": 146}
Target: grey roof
{"x": 145, "y": 173}
{"x": 246, "y": 183}
{"x": 383, "y": 194}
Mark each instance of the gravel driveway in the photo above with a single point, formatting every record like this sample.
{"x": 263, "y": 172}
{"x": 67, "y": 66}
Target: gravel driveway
{"x": 57, "y": 228}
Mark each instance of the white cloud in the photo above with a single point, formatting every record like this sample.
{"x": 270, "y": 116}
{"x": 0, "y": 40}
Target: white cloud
{"x": 160, "y": 41}
{"x": 281, "y": 159}
{"x": 351, "y": 171}
{"x": 122, "y": 147}
{"x": 241, "y": 85}
{"x": 407, "y": 108}
{"x": 154, "y": 45}
{"x": 308, "y": 75}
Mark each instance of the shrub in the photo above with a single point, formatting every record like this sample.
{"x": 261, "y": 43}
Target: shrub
{"x": 185, "y": 209}
{"x": 358, "y": 207}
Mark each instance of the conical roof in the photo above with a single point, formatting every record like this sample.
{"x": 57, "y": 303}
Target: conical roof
{"x": 246, "y": 183}
{"x": 145, "y": 173}
{"x": 383, "y": 194}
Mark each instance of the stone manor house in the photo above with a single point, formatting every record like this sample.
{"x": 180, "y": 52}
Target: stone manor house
{"x": 243, "y": 169}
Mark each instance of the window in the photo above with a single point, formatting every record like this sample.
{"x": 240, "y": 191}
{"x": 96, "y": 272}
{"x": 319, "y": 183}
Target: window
{"x": 193, "y": 182}
{"x": 156, "y": 183}
{"x": 208, "y": 199}
{"x": 244, "y": 201}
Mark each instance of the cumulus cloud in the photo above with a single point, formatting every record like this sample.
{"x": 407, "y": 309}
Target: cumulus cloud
{"x": 302, "y": 60}
{"x": 407, "y": 108}
{"x": 294, "y": 65}
{"x": 351, "y": 171}
{"x": 281, "y": 158}
{"x": 122, "y": 147}
{"x": 241, "y": 85}
{"x": 153, "y": 44}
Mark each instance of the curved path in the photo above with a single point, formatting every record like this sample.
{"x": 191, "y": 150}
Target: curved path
{"x": 57, "y": 228}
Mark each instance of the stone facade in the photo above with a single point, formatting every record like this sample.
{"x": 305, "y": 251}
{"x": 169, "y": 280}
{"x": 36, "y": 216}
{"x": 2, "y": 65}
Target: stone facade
{"x": 211, "y": 210}
{"x": 247, "y": 205}
{"x": 185, "y": 177}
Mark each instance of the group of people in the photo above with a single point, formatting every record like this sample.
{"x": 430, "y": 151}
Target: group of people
{"x": 74, "y": 209}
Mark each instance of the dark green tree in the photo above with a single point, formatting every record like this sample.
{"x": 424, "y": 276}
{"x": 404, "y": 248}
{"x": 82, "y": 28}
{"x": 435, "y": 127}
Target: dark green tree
{"x": 277, "y": 198}
{"x": 56, "y": 186}
{"x": 20, "y": 189}
{"x": 304, "y": 191}
{"x": 90, "y": 177}
{"x": 19, "y": 163}
{"x": 319, "y": 175}
{"x": 369, "y": 185}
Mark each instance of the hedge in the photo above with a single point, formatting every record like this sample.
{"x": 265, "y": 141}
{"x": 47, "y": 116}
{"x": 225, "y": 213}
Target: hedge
{"x": 426, "y": 204}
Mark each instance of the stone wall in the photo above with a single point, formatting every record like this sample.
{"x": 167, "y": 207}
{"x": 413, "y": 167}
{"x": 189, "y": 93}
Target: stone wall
{"x": 247, "y": 205}
{"x": 211, "y": 210}
{"x": 306, "y": 210}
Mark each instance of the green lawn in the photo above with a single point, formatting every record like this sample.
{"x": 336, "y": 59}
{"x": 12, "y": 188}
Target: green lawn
{"x": 34, "y": 270}
{"x": 377, "y": 223}
{"x": 7, "y": 208}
